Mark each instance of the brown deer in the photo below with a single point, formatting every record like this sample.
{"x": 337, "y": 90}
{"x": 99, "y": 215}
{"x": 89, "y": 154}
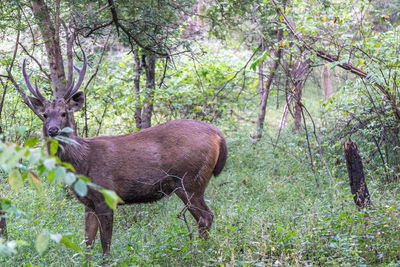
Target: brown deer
{"x": 174, "y": 157}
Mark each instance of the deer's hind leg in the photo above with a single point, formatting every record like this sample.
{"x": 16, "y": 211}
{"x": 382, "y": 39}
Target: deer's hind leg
{"x": 198, "y": 208}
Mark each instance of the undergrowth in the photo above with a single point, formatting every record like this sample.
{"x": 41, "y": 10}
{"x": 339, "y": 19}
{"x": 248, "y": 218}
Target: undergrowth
{"x": 268, "y": 211}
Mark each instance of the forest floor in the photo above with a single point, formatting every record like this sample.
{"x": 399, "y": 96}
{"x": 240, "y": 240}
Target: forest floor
{"x": 268, "y": 211}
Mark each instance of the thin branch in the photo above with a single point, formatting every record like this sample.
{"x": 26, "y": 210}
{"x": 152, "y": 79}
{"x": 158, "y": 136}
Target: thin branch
{"x": 86, "y": 129}
{"x": 102, "y": 8}
{"x": 97, "y": 27}
{"x": 309, "y": 149}
{"x": 164, "y": 73}
{"x": 119, "y": 25}
{"x": 320, "y": 148}
{"x": 234, "y": 76}
{"x": 36, "y": 61}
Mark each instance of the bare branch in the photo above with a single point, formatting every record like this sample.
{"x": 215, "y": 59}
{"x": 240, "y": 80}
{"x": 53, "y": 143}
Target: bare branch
{"x": 36, "y": 61}
{"x": 99, "y": 26}
{"x": 10, "y": 77}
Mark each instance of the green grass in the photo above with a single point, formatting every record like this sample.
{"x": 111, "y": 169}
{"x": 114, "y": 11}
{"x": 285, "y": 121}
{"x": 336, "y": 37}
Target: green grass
{"x": 267, "y": 208}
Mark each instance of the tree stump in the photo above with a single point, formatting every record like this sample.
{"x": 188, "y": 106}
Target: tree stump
{"x": 3, "y": 224}
{"x": 356, "y": 174}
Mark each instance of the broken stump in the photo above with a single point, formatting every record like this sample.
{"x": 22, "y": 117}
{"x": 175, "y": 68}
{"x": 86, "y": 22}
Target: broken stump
{"x": 356, "y": 174}
{"x": 3, "y": 224}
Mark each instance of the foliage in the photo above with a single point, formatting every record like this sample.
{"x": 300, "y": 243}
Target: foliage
{"x": 203, "y": 88}
{"x": 367, "y": 108}
{"x": 268, "y": 209}
{"x": 23, "y": 165}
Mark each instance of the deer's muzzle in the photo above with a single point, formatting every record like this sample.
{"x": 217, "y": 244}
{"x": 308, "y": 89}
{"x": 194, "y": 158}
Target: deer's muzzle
{"x": 53, "y": 131}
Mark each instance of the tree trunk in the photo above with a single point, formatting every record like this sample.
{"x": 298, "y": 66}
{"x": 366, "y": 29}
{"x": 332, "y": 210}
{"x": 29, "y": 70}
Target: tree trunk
{"x": 327, "y": 82}
{"x": 261, "y": 71}
{"x": 4, "y": 85}
{"x": 149, "y": 66}
{"x": 51, "y": 37}
{"x": 356, "y": 174}
{"x": 265, "y": 92}
{"x": 138, "y": 109}
{"x": 299, "y": 78}
{"x": 297, "y": 107}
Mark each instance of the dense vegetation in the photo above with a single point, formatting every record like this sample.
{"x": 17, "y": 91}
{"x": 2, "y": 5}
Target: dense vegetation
{"x": 258, "y": 70}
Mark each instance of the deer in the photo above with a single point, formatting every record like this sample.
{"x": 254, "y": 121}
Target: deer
{"x": 177, "y": 157}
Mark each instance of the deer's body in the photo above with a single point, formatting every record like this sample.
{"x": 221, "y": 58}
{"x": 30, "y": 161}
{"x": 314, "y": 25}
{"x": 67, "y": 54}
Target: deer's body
{"x": 175, "y": 157}
{"x": 147, "y": 165}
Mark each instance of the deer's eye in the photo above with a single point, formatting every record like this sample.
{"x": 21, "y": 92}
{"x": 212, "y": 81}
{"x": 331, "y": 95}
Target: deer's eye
{"x": 63, "y": 114}
{"x": 45, "y": 115}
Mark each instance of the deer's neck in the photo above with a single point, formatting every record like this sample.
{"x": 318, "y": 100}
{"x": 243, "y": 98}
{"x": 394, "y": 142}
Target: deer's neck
{"x": 75, "y": 153}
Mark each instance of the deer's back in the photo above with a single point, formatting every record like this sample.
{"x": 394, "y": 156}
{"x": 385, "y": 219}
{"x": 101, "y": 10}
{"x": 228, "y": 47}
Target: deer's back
{"x": 136, "y": 165}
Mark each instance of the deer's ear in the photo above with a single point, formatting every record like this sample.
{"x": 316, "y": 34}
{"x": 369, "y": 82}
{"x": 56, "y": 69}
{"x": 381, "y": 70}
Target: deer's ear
{"x": 76, "y": 101}
{"x": 37, "y": 104}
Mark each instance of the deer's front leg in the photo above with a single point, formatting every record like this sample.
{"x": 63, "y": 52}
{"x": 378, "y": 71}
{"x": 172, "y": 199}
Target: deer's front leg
{"x": 106, "y": 221}
{"x": 91, "y": 226}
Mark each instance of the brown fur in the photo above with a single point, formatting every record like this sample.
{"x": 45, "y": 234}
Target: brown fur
{"x": 174, "y": 157}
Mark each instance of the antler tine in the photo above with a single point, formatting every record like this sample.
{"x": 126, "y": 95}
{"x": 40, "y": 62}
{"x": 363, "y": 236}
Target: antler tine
{"x": 36, "y": 92}
{"x": 72, "y": 89}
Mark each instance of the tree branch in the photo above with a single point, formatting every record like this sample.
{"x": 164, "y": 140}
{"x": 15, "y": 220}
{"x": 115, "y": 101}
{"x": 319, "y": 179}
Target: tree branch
{"x": 126, "y": 31}
{"x": 334, "y": 58}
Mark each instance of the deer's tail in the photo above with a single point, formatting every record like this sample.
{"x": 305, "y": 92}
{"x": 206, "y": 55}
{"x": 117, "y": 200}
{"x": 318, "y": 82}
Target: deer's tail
{"x": 223, "y": 155}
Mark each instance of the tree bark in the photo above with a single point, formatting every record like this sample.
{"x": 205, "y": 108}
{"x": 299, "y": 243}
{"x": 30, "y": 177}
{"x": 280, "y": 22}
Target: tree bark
{"x": 138, "y": 109}
{"x": 265, "y": 92}
{"x": 261, "y": 71}
{"x": 327, "y": 82}
{"x": 3, "y": 224}
{"x": 149, "y": 65}
{"x": 355, "y": 169}
{"x": 299, "y": 78}
{"x": 297, "y": 107}
{"x": 51, "y": 38}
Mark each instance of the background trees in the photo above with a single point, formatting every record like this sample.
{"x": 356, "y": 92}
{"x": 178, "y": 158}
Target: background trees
{"x": 301, "y": 77}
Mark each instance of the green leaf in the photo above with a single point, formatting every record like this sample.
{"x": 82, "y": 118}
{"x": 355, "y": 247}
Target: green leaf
{"x": 111, "y": 198}
{"x": 59, "y": 174}
{"x": 68, "y": 166}
{"x": 15, "y": 180}
{"x": 31, "y": 142}
{"x": 81, "y": 188}
{"x": 51, "y": 175}
{"x": 69, "y": 178}
{"x": 66, "y": 140}
{"x": 68, "y": 243}
{"x": 84, "y": 178}
{"x": 53, "y": 146}
{"x": 42, "y": 242}
{"x": 67, "y": 130}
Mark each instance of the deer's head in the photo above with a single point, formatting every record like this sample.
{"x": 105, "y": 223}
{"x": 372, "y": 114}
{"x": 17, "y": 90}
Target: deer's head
{"x": 57, "y": 114}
